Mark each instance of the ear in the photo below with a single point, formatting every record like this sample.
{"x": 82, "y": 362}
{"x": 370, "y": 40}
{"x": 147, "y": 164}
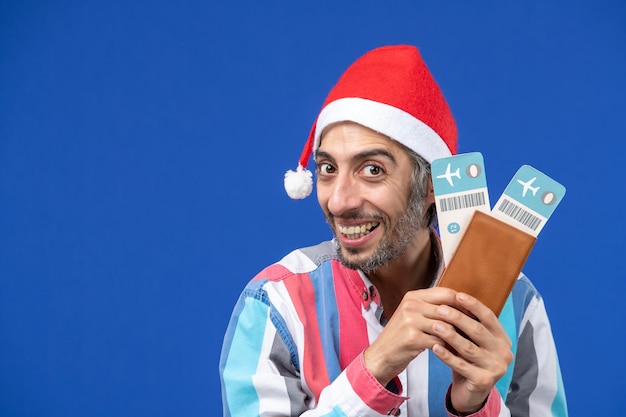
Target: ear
{"x": 430, "y": 197}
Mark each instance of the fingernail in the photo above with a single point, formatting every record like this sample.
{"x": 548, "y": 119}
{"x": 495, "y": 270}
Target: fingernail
{"x": 439, "y": 328}
{"x": 463, "y": 297}
{"x": 437, "y": 349}
{"x": 443, "y": 311}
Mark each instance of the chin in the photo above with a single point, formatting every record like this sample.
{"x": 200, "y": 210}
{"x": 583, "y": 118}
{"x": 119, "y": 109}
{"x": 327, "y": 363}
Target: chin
{"x": 354, "y": 258}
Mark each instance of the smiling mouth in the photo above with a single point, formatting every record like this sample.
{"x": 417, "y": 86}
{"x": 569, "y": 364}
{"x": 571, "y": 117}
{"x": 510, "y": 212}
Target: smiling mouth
{"x": 355, "y": 232}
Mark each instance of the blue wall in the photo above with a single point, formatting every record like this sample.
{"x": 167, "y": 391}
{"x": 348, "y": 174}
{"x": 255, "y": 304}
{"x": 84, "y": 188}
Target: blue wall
{"x": 142, "y": 149}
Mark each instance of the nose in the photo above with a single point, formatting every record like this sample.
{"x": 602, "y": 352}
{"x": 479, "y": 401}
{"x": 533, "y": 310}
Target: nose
{"x": 344, "y": 195}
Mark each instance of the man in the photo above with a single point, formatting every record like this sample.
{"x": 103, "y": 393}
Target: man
{"x": 354, "y": 326}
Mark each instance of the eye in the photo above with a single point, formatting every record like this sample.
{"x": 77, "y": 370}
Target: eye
{"x": 372, "y": 171}
{"x": 325, "y": 168}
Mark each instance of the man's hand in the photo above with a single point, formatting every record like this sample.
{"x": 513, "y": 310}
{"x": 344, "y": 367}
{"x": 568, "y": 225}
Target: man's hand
{"x": 478, "y": 360}
{"x": 460, "y": 330}
{"x": 408, "y": 333}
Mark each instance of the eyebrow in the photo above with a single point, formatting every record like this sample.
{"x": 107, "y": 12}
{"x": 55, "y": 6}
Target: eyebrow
{"x": 360, "y": 156}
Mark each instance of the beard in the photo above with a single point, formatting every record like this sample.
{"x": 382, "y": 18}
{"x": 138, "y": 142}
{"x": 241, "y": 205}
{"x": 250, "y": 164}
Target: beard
{"x": 399, "y": 232}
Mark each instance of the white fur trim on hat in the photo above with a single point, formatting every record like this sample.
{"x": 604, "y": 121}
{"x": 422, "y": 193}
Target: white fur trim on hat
{"x": 385, "y": 119}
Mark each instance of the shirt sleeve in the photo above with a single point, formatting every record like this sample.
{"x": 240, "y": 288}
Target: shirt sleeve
{"x": 260, "y": 372}
{"x": 493, "y": 407}
{"x": 536, "y": 388}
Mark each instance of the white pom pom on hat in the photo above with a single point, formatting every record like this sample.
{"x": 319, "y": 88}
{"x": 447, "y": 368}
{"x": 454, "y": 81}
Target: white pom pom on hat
{"x": 299, "y": 183}
{"x": 391, "y": 91}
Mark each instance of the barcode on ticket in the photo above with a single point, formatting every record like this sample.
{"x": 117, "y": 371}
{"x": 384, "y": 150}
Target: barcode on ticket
{"x": 518, "y": 213}
{"x": 459, "y": 202}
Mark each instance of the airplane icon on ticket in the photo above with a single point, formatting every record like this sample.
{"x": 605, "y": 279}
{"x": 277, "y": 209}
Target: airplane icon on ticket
{"x": 448, "y": 175}
{"x": 528, "y": 186}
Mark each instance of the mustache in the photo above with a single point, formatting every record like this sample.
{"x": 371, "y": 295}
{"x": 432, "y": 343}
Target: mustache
{"x": 356, "y": 215}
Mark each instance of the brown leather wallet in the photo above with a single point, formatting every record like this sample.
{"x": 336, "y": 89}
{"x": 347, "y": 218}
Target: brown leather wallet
{"x": 488, "y": 260}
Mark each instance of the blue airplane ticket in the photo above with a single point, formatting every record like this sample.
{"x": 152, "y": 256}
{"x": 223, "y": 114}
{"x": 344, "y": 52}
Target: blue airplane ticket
{"x": 460, "y": 188}
{"x": 529, "y": 200}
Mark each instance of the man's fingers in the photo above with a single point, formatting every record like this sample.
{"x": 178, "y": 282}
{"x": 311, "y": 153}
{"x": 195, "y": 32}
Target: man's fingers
{"x": 485, "y": 319}
{"x": 470, "y": 339}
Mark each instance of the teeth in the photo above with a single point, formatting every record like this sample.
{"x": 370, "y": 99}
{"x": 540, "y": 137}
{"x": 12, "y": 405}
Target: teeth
{"x": 355, "y": 232}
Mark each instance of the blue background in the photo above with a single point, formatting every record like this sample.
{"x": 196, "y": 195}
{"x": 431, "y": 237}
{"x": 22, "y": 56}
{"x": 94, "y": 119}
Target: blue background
{"x": 142, "y": 150}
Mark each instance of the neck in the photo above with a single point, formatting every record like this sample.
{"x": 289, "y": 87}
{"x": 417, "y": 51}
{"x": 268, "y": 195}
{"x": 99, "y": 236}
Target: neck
{"x": 414, "y": 270}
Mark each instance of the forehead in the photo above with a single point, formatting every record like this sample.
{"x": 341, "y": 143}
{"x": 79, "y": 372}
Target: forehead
{"x": 352, "y": 138}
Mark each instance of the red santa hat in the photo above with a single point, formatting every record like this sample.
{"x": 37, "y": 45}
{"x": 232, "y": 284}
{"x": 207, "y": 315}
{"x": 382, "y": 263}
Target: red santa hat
{"x": 390, "y": 91}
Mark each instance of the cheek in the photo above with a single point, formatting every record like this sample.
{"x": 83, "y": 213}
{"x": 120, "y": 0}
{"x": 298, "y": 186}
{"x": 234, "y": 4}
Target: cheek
{"x": 323, "y": 198}
{"x": 397, "y": 196}
{"x": 322, "y": 195}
